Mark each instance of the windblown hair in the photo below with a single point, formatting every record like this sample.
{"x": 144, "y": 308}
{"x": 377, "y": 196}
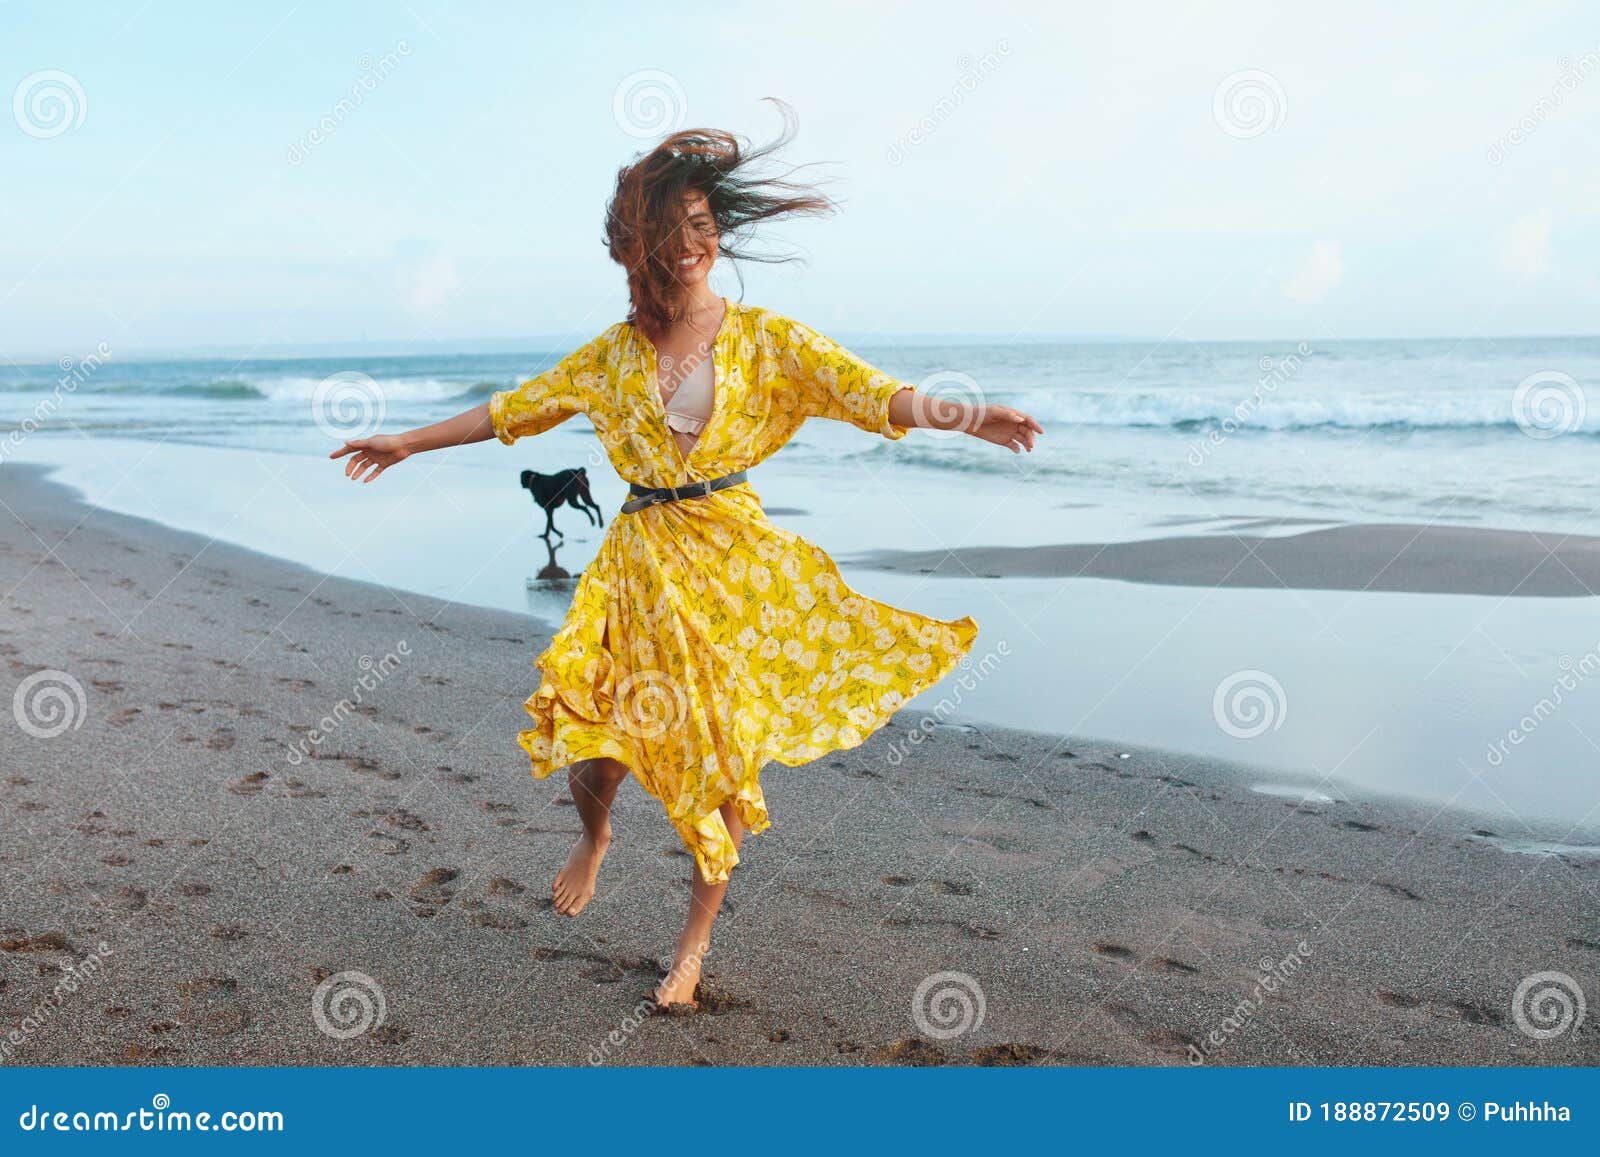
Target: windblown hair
{"x": 646, "y": 212}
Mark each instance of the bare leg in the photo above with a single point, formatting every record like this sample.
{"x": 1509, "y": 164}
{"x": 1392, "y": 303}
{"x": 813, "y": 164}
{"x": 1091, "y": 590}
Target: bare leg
{"x": 594, "y": 784}
{"x": 705, "y": 900}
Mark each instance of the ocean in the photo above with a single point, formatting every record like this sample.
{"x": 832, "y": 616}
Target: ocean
{"x": 1430, "y": 429}
{"x": 1372, "y": 692}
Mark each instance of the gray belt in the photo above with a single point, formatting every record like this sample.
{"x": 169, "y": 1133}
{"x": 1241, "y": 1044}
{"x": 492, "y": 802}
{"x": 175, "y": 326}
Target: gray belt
{"x": 650, "y": 496}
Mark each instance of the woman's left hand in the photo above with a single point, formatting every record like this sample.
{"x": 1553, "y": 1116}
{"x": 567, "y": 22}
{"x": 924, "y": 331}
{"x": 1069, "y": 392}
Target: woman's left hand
{"x": 1005, "y": 426}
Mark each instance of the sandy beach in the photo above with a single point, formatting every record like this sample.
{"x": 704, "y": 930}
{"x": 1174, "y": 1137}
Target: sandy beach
{"x": 1414, "y": 558}
{"x": 220, "y": 837}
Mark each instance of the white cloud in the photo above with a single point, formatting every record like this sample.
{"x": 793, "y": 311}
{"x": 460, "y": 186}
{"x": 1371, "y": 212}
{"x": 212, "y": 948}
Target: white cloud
{"x": 1322, "y": 269}
{"x": 1525, "y": 247}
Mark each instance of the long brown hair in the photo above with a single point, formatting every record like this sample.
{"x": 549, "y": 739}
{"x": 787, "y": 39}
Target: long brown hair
{"x": 646, "y": 212}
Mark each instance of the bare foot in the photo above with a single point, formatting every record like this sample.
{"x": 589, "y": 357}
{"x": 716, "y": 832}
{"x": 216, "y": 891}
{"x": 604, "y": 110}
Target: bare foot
{"x": 574, "y": 886}
{"x": 677, "y": 988}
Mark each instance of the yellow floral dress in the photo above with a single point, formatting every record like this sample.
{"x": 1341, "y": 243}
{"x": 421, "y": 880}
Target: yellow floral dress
{"x": 703, "y": 641}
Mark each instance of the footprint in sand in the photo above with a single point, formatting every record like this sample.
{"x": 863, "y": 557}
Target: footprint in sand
{"x": 1114, "y": 951}
{"x": 194, "y": 889}
{"x": 1398, "y": 1000}
{"x": 393, "y": 845}
{"x": 250, "y": 784}
{"x": 1013, "y": 1055}
{"x": 1158, "y": 1037}
{"x": 433, "y": 891}
{"x": 122, "y": 900}
{"x": 972, "y": 931}
{"x": 1471, "y": 1013}
{"x": 1168, "y": 964}
{"x": 116, "y": 860}
{"x": 912, "y": 1051}
{"x": 212, "y": 1005}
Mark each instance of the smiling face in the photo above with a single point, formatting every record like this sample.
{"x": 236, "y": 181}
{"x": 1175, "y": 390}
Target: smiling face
{"x": 696, "y": 243}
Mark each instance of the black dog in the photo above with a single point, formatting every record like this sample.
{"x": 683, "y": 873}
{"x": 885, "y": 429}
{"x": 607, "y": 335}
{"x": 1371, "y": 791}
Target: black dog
{"x": 565, "y": 486}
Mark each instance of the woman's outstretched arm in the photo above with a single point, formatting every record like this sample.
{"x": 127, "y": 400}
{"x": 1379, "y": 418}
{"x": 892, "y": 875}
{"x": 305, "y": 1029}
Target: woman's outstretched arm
{"x": 370, "y": 457}
{"x": 1002, "y": 425}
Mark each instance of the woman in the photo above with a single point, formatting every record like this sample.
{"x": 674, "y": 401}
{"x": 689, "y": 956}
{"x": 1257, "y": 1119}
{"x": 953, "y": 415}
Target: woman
{"x": 704, "y": 641}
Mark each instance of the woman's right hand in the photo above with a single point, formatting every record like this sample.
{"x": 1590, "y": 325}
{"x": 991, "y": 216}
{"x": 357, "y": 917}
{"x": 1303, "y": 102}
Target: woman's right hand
{"x": 370, "y": 457}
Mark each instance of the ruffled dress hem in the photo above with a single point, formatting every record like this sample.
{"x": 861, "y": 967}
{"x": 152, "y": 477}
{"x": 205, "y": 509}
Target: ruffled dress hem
{"x": 704, "y": 834}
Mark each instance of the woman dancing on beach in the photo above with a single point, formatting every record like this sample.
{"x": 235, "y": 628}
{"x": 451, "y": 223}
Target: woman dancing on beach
{"x": 703, "y": 641}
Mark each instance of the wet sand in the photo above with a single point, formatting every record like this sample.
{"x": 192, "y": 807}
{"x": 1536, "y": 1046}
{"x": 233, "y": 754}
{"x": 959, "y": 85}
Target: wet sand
{"x": 1414, "y": 558}
{"x": 198, "y": 867}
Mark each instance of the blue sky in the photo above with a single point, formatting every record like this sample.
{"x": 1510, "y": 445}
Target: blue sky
{"x": 1087, "y": 177}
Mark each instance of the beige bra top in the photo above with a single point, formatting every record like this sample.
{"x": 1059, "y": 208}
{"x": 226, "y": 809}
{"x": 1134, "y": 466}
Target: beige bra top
{"x": 689, "y": 407}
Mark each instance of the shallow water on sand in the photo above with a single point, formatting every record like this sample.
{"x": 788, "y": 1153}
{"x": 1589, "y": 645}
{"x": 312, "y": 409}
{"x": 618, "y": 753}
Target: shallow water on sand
{"x": 1450, "y": 698}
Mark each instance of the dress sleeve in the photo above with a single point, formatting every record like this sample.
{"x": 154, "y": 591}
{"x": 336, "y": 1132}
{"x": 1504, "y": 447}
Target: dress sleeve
{"x": 544, "y": 402}
{"x": 831, "y": 382}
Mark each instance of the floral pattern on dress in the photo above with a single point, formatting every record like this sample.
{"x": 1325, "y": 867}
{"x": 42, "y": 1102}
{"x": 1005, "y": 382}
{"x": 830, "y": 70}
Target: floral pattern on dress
{"x": 703, "y": 641}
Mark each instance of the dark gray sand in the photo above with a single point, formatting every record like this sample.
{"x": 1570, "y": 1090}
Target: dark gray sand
{"x": 1110, "y": 910}
{"x": 1457, "y": 560}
